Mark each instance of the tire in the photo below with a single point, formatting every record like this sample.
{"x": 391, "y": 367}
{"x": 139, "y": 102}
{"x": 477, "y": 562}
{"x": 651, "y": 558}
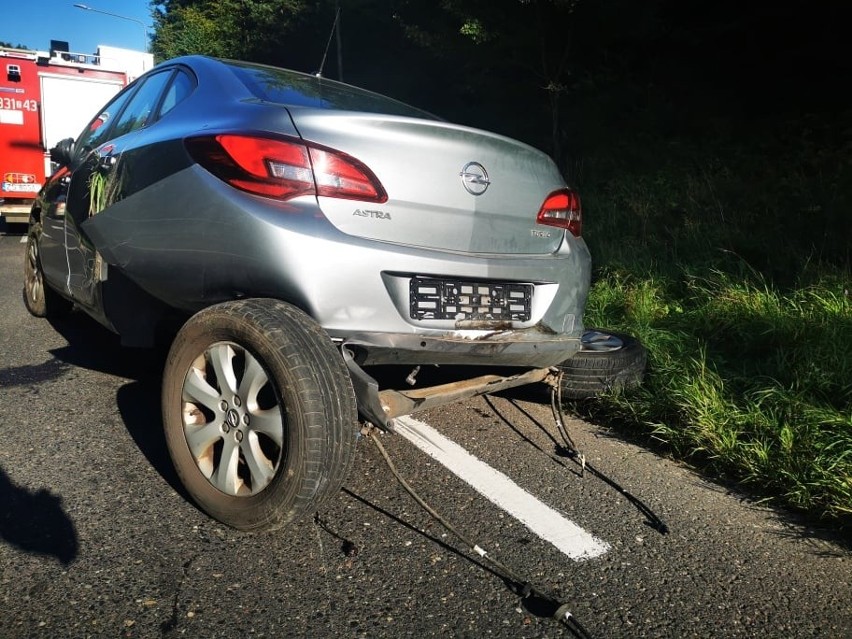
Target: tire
{"x": 607, "y": 361}
{"x": 266, "y": 389}
{"x": 39, "y": 298}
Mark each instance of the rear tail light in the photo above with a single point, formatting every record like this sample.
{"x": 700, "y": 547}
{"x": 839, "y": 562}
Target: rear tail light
{"x": 562, "y": 208}
{"x": 285, "y": 169}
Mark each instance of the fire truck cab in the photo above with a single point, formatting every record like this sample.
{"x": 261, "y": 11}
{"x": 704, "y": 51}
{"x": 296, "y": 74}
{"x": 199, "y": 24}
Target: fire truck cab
{"x": 45, "y": 97}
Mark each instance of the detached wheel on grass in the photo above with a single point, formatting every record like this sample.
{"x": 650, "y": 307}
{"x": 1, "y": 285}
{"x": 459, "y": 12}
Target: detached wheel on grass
{"x": 259, "y": 413}
{"x": 607, "y": 361}
{"x": 39, "y": 298}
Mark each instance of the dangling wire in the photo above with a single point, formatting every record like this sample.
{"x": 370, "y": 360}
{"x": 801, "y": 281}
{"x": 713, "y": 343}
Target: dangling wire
{"x": 559, "y": 415}
{"x": 522, "y": 586}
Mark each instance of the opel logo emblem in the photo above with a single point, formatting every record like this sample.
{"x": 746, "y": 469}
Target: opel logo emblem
{"x": 233, "y": 418}
{"x": 474, "y": 178}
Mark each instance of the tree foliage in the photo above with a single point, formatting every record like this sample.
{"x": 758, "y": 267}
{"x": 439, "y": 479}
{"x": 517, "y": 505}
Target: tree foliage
{"x": 522, "y": 44}
{"x": 9, "y": 45}
{"x": 243, "y": 29}
{"x": 514, "y": 55}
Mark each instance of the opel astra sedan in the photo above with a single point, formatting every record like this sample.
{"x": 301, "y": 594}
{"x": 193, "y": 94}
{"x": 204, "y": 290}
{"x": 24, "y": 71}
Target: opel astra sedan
{"x": 300, "y": 231}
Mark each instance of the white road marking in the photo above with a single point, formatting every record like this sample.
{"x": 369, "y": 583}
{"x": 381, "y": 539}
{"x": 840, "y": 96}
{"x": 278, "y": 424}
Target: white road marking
{"x": 501, "y": 491}
{"x": 24, "y": 240}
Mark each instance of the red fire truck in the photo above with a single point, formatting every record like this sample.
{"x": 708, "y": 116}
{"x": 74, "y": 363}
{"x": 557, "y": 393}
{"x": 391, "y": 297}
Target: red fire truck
{"x": 45, "y": 97}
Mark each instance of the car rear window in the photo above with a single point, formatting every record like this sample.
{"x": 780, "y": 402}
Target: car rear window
{"x": 300, "y": 89}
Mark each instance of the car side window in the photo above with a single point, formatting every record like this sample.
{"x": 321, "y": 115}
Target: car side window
{"x": 140, "y": 110}
{"x": 179, "y": 88}
{"x": 97, "y": 131}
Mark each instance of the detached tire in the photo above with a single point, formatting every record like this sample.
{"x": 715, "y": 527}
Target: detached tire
{"x": 39, "y": 298}
{"x": 607, "y": 361}
{"x": 259, "y": 413}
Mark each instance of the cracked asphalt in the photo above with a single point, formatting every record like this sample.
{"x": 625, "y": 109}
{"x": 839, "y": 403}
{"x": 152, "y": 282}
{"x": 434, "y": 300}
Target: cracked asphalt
{"x": 98, "y": 539}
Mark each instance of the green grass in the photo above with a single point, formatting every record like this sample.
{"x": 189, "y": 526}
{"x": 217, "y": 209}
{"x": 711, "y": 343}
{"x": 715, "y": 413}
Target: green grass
{"x": 735, "y": 274}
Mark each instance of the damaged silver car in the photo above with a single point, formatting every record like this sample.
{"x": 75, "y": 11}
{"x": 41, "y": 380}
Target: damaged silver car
{"x": 300, "y": 231}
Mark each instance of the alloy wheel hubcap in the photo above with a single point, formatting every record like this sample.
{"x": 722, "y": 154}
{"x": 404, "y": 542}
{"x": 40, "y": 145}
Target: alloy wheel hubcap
{"x": 232, "y": 420}
{"x": 601, "y": 342}
{"x": 33, "y": 276}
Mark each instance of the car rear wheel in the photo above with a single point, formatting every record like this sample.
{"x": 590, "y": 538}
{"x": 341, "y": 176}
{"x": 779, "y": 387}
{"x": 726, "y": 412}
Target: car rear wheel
{"x": 259, "y": 413}
{"x": 39, "y": 298}
{"x": 607, "y": 361}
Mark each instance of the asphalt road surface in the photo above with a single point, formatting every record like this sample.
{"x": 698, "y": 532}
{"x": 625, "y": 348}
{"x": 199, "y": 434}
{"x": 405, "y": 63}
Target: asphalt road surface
{"x": 97, "y": 538}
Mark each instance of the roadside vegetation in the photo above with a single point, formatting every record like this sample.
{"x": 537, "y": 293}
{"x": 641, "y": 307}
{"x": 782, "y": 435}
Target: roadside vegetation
{"x": 732, "y": 264}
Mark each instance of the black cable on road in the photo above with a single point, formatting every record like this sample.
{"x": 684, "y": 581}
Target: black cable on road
{"x": 523, "y": 587}
{"x": 574, "y": 453}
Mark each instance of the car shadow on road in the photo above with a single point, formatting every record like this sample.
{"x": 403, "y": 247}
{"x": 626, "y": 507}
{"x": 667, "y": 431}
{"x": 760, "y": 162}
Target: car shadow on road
{"x": 139, "y": 405}
{"x": 31, "y": 374}
{"x": 36, "y": 523}
{"x": 93, "y": 347}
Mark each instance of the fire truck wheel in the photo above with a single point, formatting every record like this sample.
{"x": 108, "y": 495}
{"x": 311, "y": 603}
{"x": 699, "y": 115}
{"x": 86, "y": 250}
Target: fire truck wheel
{"x": 259, "y": 413}
{"x": 40, "y": 299}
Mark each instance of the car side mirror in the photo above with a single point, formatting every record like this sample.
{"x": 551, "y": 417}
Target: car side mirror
{"x": 61, "y": 153}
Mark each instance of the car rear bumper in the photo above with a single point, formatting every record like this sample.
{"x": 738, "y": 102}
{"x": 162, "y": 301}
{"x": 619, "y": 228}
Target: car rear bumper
{"x": 532, "y": 347}
{"x": 16, "y": 213}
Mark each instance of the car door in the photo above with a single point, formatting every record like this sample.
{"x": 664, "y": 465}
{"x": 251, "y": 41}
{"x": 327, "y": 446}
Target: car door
{"x": 52, "y": 246}
{"x": 101, "y": 179}
{"x": 52, "y": 237}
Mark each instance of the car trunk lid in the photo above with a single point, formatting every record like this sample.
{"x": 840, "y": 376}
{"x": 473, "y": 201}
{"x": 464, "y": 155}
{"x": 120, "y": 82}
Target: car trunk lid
{"x": 449, "y": 187}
